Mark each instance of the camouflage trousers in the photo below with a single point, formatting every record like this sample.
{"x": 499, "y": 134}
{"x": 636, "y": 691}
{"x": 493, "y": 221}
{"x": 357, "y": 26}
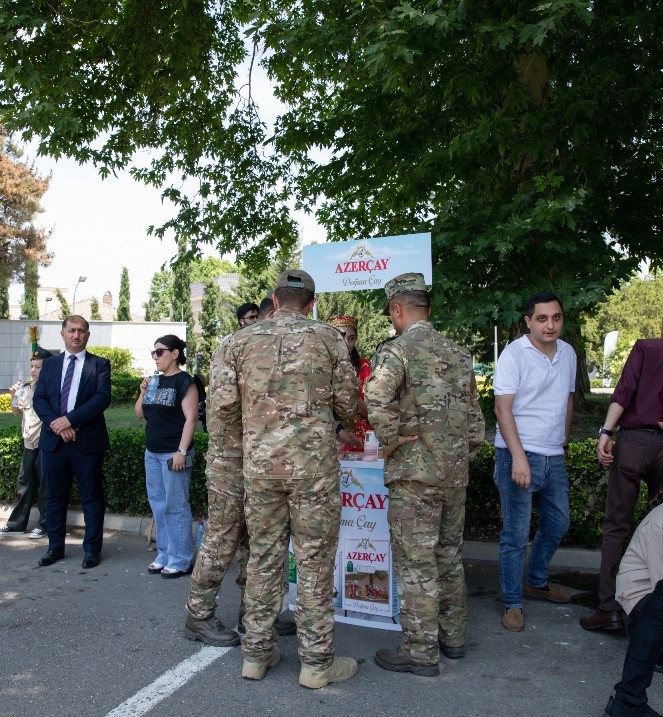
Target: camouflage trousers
{"x": 309, "y": 511}
{"x": 426, "y": 525}
{"x": 225, "y": 537}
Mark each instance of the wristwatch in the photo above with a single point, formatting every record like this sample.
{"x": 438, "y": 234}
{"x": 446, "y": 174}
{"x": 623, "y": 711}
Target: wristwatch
{"x": 605, "y": 431}
{"x": 181, "y": 452}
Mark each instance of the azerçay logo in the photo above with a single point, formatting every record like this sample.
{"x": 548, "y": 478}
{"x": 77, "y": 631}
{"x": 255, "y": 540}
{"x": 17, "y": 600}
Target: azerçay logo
{"x": 362, "y": 262}
{"x": 365, "y": 550}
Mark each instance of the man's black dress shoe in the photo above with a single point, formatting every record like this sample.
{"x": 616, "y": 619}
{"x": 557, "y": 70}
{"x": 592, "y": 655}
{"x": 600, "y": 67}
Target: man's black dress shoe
{"x": 91, "y": 560}
{"x": 603, "y": 620}
{"x": 50, "y": 557}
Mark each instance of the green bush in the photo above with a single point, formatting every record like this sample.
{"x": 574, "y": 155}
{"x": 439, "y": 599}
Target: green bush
{"x": 125, "y": 387}
{"x": 588, "y": 481}
{"x": 486, "y": 395}
{"x": 125, "y": 484}
{"x": 124, "y": 471}
{"x": 120, "y": 359}
{"x": 5, "y": 403}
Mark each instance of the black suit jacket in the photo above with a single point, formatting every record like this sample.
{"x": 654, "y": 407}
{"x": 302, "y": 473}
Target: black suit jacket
{"x": 93, "y": 398}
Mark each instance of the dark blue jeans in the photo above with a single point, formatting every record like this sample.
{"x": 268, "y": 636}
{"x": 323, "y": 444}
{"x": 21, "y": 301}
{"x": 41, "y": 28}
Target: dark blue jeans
{"x": 645, "y": 649}
{"x": 549, "y": 494}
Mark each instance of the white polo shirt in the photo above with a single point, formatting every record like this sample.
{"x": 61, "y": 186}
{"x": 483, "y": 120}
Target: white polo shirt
{"x": 541, "y": 387}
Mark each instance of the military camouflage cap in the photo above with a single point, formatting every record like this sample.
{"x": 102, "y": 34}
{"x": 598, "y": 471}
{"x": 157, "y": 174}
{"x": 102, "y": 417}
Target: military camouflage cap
{"x": 295, "y": 279}
{"x": 401, "y": 284}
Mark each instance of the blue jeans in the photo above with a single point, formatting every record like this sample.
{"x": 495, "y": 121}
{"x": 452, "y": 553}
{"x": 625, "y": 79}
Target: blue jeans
{"x": 549, "y": 493}
{"x": 168, "y": 493}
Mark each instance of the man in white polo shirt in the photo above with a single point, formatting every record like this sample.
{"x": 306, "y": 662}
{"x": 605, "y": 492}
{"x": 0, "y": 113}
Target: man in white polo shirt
{"x": 534, "y": 383}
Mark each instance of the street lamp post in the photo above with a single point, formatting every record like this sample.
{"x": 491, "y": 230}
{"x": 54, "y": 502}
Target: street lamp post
{"x": 81, "y": 279}
{"x": 46, "y": 308}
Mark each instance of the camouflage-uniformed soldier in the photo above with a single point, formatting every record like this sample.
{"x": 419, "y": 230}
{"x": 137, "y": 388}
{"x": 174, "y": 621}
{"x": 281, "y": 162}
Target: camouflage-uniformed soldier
{"x": 423, "y": 404}
{"x": 226, "y": 534}
{"x": 290, "y": 380}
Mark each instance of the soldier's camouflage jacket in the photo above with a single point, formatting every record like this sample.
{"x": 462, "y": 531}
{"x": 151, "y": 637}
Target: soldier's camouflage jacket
{"x": 423, "y": 385}
{"x": 289, "y": 380}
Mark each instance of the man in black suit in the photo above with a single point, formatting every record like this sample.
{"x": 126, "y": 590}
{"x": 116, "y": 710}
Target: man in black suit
{"x": 71, "y": 397}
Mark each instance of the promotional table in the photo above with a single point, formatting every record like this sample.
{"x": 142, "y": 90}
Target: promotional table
{"x": 364, "y": 580}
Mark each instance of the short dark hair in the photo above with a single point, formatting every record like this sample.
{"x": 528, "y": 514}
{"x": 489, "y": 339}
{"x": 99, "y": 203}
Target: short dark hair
{"x": 413, "y": 299}
{"x": 244, "y": 309}
{"x": 543, "y": 297}
{"x": 294, "y": 298}
{"x": 170, "y": 341}
{"x": 76, "y": 319}
{"x": 266, "y": 306}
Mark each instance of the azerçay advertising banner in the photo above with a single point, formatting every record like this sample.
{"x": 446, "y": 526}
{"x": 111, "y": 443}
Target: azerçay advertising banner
{"x": 367, "y": 263}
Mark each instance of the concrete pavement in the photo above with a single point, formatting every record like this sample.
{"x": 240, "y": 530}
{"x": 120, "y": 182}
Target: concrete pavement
{"x": 108, "y": 642}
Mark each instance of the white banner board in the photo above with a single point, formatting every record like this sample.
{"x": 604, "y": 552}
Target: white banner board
{"x": 364, "y": 580}
{"x": 367, "y": 263}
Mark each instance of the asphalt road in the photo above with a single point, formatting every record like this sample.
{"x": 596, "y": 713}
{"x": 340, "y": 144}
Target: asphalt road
{"x": 108, "y": 641}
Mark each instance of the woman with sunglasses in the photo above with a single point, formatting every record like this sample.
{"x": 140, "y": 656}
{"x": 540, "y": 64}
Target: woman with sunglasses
{"x": 347, "y": 327}
{"x": 171, "y": 418}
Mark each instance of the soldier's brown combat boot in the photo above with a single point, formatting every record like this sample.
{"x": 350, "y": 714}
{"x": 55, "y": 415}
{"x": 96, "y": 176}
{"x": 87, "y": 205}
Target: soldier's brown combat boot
{"x": 256, "y": 670}
{"x": 211, "y": 631}
{"x": 398, "y": 661}
{"x": 339, "y": 670}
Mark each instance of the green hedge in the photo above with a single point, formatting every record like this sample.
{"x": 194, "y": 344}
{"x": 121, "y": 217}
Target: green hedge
{"x": 125, "y": 484}
{"x": 125, "y": 387}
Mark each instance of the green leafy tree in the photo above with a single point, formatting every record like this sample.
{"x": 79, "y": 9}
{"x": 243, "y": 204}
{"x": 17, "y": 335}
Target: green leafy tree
{"x": 22, "y": 244}
{"x": 65, "y": 309}
{"x": 491, "y": 123}
{"x": 210, "y": 267}
{"x": 123, "y": 309}
{"x": 29, "y": 305}
{"x": 210, "y": 324}
{"x": 180, "y": 297}
{"x": 635, "y": 310}
{"x": 158, "y": 304}
{"x": 94, "y": 309}
{"x": 4, "y": 301}
{"x": 157, "y": 76}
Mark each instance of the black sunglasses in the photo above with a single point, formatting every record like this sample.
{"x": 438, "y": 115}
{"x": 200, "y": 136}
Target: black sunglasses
{"x": 158, "y": 352}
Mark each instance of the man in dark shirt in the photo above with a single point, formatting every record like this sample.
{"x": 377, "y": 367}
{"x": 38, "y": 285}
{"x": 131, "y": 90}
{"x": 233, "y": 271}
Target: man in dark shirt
{"x": 637, "y": 457}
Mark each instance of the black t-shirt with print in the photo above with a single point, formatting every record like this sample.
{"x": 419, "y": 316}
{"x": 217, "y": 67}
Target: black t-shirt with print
{"x": 165, "y": 418}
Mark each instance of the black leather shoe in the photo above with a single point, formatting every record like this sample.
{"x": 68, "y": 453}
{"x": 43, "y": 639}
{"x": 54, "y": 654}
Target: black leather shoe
{"x": 398, "y": 662}
{"x": 603, "y": 620}
{"x": 91, "y": 560}
{"x": 285, "y": 625}
{"x": 50, "y": 557}
{"x": 453, "y": 653}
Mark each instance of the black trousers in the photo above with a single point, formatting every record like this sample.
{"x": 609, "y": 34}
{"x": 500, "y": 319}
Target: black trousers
{"x": 30, "y": 483}
{"x": 645, "y": 649}
{"x": 60, "y": 467}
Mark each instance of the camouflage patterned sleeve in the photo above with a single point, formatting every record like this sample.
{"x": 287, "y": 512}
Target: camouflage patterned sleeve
{"x": 476, "y": 428}
{"x": 382, "y": 395}
{"x": 225, "y": 438}
{"x": 227, "y": 401}
{"x": 345, "y": 386}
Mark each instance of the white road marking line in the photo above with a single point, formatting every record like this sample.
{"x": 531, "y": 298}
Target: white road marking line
{"x": 164, "y": 686}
